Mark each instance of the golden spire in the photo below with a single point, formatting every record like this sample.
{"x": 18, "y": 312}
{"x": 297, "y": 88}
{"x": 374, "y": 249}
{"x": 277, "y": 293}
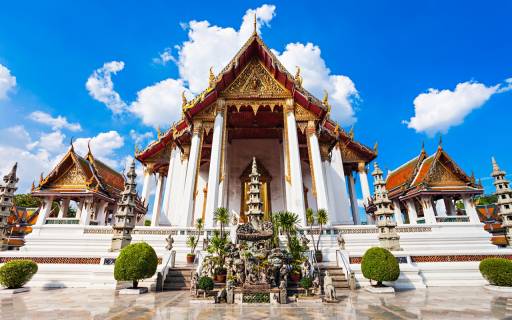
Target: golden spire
{"x": 325, "y": 101}
{"x": 33, "y": 186}
{"x": 183, "y": 99}
{"x": 376, "y": 147}
{"x": 211, "y": 79}
{"x": 136, "y": 148}
{"x": 351, "y": 133}
{"x": 298, "y": 78}
{"x": 255, "y": 27}
{"x": 440, "y": 141}
{"x": 158, "y": 132}
{"x": 41, "y": 178}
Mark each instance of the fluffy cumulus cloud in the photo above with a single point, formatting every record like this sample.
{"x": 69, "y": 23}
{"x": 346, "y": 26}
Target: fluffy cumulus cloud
{"x": 101, "y": 87}
{"x": 55, "y": 123}
{"x": 436, "y": 111}
{"x": 317, "y": 77}
{"x": 164, "y": 57}
{"x": 140, "y": 137}
{"x": 159, "y": 104}
{"x": 103, "y": 146}
{"x": 7, "y": 82}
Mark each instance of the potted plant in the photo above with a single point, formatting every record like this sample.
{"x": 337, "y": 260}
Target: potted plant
{"x": 306, "y": 283}
{"x": 295, "y": 273}
{"x": 219, "y": 275}
{"x": 380, "y": 265}
{"x": 217, "y": 247}
{"x": 221, "y": 216}
{"x": 497, "y": 271}
{"x": 206, "y": 284}
{"x": 135, "y": 262}
{"x": 193, "y": 240}
{"x": 320, "y": 218}
{"x": 16, "y": 273}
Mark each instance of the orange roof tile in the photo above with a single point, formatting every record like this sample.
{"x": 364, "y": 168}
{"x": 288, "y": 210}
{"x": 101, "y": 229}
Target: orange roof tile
{"x": 401, "y": 175}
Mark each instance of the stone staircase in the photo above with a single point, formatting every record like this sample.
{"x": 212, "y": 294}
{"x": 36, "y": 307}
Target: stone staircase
{"x": 337, "y": 274}
{"x": 178, "y": 278}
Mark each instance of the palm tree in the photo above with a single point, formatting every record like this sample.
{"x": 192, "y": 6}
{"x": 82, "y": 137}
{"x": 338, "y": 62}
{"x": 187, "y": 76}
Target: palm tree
{"x": 274, "y": 218}
{"x": 321, "y": 218}
{"x": 221, "y": 216}
{"x": 288, "y": 222}
{"x": 310, "y": 221}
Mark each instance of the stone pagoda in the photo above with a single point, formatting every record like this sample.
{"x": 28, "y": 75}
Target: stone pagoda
{"x": 388, "y": 237}
{"x": 254, "y": 203}
{"x": 504, "y": 195}
{"x": 125, "y": 214}
{"x": 7, "y": 189}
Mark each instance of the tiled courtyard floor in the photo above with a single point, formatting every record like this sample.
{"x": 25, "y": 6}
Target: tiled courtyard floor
{"x": 434, "y": 303}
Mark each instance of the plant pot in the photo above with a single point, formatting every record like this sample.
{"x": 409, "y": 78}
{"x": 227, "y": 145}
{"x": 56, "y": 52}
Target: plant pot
{"x": 319, "y": 256}
{"x": 219, "y": 278}
{"x": 191, "y": 258}
{"x": 295, "y": 277}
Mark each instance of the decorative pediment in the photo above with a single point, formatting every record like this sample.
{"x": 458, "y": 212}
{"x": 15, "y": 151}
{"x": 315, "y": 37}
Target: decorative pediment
{"x": 73, "y": 177}
{"x": 302, "y": 114}
{"x": 255, "y": 82}
{"x": 445, "y": 172}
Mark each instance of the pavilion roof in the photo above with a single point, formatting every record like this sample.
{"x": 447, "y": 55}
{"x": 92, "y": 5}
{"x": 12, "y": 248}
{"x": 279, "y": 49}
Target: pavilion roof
{"x": 253, "y": 48}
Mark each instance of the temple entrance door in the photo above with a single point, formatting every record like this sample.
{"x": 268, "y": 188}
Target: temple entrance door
{"x": 265, "y": 179}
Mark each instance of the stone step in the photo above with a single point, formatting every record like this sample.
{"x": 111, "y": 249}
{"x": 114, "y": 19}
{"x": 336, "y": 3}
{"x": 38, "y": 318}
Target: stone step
{"x": 187, "y": 273}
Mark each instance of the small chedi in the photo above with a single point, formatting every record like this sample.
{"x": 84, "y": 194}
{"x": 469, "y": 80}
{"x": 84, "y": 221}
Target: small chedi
{"x": 504, "y": 195}
{"x": 7, "y": 189}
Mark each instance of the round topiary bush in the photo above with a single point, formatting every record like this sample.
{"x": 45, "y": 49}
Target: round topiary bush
{"x": 497, "y": 271}
{"x": 135, "y": 262}
{"x": 380, "y": 265}
{"x": 306, "y": 283}
{"x": 206, "y": 284}
{"x": 14, "y": 274}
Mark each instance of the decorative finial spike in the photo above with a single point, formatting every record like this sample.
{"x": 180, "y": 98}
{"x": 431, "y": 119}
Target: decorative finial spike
{"x": 423, "y": 146}
{"x": 440, "y": 141}
{"x": 71, "y": 147}
{"x": 376, "y": 147}
{"x": 211, "y": 79}
{"x": 255, "y": 26}
{"x": 183, "y": 99}
{"x": 298, "y": 77}
{"x": 89, "y": 147}
{"x": 351, "y": 133}
{"x": 495, "y": 166}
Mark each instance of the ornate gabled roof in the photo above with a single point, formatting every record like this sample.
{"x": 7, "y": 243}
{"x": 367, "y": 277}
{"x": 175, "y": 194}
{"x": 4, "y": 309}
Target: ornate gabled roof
{"x": 436, "y": 173}
{"x": 77, "y": 174}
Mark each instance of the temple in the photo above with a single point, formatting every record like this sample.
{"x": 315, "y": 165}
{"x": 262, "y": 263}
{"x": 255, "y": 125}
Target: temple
{"x": 255, "y": 108}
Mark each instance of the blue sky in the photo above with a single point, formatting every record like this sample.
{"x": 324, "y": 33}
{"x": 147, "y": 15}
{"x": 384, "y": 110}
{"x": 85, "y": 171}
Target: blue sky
{"x": 111, "y": 71}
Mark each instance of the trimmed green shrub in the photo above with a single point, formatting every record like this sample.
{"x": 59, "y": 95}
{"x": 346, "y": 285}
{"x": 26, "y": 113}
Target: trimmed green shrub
{"x": 136, "y": 262}
{"x": 206, "y": 284}
{"x": 380, "y": 265}
{"x": 306, "y": 283}
{"x": 497, "y": 271}
{"x": 16, "y": 273}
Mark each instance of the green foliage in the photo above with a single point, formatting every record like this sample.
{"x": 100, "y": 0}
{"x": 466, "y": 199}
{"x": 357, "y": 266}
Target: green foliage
{"x": 26, "y": 200}
{"x": 322, "y": 217}
{"x": 217, "y": 245}
{"x": 135, "y": 262}
{"x": 306, "y": 282}
{"x": 296, "y": 249}
{"x": 147, "y": 223}
{"x": 310, "y": 217}
{"x": 221, "y": 216}
{"x": 205, "y": 283}
{"x": 486, "y": 200}
{"x": 380, "y": 265}
{"x": 192, "y": 241}
{"x": 14, "y": 274}
{"x": 274, "y": 218}
{"x": 497, "y": 271}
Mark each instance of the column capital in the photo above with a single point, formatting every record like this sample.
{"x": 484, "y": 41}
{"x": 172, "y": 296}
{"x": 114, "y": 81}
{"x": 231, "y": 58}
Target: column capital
{"x": 311, "y": 128}
{"x": 221, "y": 106}
{"x": 289, "y": 105}
{"x": 148, "y": 168}
{"x": 361, "y": 167}
{"x": 197, "y": 126}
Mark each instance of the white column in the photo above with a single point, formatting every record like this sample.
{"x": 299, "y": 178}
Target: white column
{"x": 353, "y": 199}
{"x": 440, "y": 206}
{"x": 44, "y": 211}
{"x": 428, "y": 210}
{"x": 193, "y": 162}
{"x": 212, "y": 197}
{"x": 146, "y": 189}
{"x": 79, "y": 207}
{"x": 296, "y": 195}
{"x": 398, "y": 213}
{"x": 318, "y": 173}
{"x": 469, "y": 205}
{"x": 176, "y": 196}
{"x": 338, "y": 184}
{"x": 168, "y": 184}
{"x": 411, "y": 211}
{"x": 101, "y": 212}
{"x": 85, "y": 217}
{"x": 64, "y": 207}
{"x": 157, "y": 204}
{"x": 363, "y": 179}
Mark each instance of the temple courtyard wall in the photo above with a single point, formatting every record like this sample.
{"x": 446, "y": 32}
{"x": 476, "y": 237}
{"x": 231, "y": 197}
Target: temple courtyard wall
{"x": 432, "y": 255}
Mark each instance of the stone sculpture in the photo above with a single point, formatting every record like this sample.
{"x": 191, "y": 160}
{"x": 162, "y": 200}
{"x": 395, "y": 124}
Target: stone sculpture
{"x": 169, "y": 242}
{"x": 194, "y": 284}
{"x": 316, "y": 285}
{"x": 283, "y": 293}
{"x": 329, "y": 290}
{"x": 306, "y": 268}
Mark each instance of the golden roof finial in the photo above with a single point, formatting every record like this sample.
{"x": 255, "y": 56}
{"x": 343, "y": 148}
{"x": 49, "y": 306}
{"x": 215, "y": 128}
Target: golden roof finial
{"x": 211, "y": 79}
{"x": 325, "y": 102}
{"x": 158, "y": 132}
{"x": 33, "y": 186}
{"x": 41, "y": 178}
{"x": 255, "y": 26}
{"x": 440, "y": 146}
{"x": 71, "y": 147}
{"x": 183, "y": 99}
{"x": 136, "y": 149}
{"x": 298, "y": 78}
{"x": 351, "y": 133}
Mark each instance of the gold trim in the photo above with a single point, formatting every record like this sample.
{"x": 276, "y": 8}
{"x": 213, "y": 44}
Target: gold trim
{"x": 310, "y": 130}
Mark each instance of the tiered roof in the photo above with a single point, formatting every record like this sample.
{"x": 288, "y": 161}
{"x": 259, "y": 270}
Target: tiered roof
{"x": 433, "y": 174}
{"x": 254, "y": 48}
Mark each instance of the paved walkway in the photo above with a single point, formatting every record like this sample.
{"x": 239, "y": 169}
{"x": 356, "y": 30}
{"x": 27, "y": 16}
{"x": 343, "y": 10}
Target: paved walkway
{"x": 434, "y": 303}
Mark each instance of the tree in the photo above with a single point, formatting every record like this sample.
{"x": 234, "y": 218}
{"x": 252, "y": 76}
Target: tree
{"x": 221, "y": 216}
{"x": 15, "y": 273}
{"x": 321, "y": 218}
{"x": 274, "y": 218}
{"x": 310, "y": 221}
{"x": 135, "y": 262}
{"x": 380, "y": 265}
{"x": 26, "y": 200}
{"x": 288, "y": 222}
{"x": 192, "y": 241}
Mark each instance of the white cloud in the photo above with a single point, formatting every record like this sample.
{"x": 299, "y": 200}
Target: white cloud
{"x": 52, "y": 142}
{"x": 159, "y": 104}
{"x": 439, "y": 110}
{"x": 7, "y": 82}
{"x": 164, "y": 57}
{"x": 101, "y": 87}
{"x": 57, "y": 123}
{"x": 195, "y": 55}
{"x": 317, "y": 77}
{"x": 103, "y": 146}
{"x": 140, "y": 137}
{"x": 18, "y": 136}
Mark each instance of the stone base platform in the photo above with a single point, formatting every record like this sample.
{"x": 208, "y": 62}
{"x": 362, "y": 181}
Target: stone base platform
{"x": 14, "y": 291}
{"x": 373, "y": 289}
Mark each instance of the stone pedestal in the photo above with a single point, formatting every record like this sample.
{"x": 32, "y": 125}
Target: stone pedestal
{"x": 373, "y": 289}
{"x": 131, "y": 291}
{"x": 14, "y": 291}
